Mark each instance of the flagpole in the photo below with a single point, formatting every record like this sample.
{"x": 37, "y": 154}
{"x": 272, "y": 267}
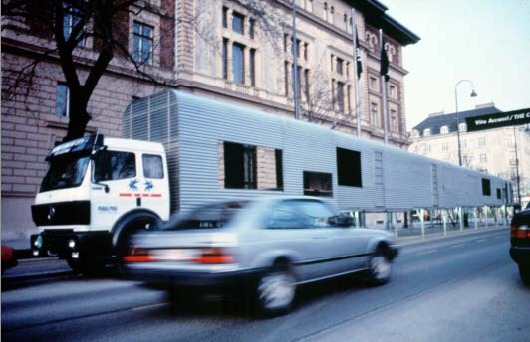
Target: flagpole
{"x": 295, "y": 66}
{"x": 357, "y": 83}
{"x": 383, "y": 85}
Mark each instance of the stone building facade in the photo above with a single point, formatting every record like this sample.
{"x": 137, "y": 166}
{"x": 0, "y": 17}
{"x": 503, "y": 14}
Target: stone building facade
{"x": 239, "y": 51}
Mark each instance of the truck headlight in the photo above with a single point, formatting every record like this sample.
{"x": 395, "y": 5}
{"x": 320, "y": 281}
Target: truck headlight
{"x": 71, "y": 244}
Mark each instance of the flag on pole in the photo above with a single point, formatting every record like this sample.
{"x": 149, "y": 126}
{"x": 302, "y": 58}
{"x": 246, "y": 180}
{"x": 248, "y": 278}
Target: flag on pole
{"x": 384, "y": 63}
{"x": 358, "y": 55}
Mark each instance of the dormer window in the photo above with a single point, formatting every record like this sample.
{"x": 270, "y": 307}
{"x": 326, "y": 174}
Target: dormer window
{"x": 426, "y": 132}
{"x": 415, "y": 133}
{"x": 462, "y": 127}
{"x": 444, "y": 130}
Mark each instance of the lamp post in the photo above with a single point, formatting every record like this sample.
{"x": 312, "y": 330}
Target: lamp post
{"x": 473, "y": 94}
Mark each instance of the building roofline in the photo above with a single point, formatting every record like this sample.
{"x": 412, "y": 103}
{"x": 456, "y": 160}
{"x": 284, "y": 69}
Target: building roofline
{"x": 375, "y": 15}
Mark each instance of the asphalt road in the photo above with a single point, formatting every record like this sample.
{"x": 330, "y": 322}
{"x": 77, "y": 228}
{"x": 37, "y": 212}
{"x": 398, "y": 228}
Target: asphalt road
{"x": 463, "y": 288}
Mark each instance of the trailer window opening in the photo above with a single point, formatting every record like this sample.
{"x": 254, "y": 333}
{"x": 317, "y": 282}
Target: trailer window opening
{"x": 244, "y": 166}
{"x": 486, "y": 187}
{"x": 349, "y": 168}
{"x": 318, "y": 184}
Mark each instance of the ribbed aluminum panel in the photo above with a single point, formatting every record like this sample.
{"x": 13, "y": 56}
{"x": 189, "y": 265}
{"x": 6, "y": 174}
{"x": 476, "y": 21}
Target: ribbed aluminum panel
{"x": 192, "y": 127}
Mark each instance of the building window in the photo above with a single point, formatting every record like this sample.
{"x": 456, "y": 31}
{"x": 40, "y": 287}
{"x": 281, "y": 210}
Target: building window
{"x": 482, "y": 142}
{"x": 426, "y": 132}
{"x": 349, "y": 168}
{"x": 462, "y": 127}
{"x": 252, "y": 67}
{"x": 374, "y": 113}
{"x": 238, "y": 63}
{"x": 62, "y": 100}
{"x": 142, "y": 43}
{"x": 393, "y": 121}
{"x": 318, "y": 184}
{"x": 483, "y": 158}
{"x": 373, "y": 82}
{"x": 286, "y": 77}
{"x": 72, "y": 16}
{"x": 251, "y": 23}
{"x": 225, "y": 17}
{"x": 392, "y": 90}
{"x": 445, "y": 146}
{"x": 309, "y": 5}
{"x": 238, "y": 21}
{"x": 340, "y": 66}
{"x": 463, "y": 144}
{"x": 444, "y": 129}
{"x": 340, "y": 96}
{"x": 225, "y": 59}
{"x": 332, "y": 15}
{"x": 326, "y": 14}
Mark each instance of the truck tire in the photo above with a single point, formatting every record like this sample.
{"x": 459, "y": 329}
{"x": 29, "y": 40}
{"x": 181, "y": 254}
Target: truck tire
{"x": 134, "y": 224}
{"x": 85, "y": 265}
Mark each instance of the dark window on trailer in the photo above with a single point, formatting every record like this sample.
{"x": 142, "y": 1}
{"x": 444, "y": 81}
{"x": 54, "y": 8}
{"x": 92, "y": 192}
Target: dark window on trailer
{"x": 499, "y": 193}
{"x": 240, "y": 166}
{"x": 318, "y": 184}
{"x": 486, "y": 187}
{"x": 349, "y": 167}
{"x": 279, "y": 169}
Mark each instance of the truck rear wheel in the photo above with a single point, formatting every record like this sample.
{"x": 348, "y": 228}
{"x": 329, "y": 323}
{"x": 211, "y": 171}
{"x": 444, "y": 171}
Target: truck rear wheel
{"x": 85, "y": 265}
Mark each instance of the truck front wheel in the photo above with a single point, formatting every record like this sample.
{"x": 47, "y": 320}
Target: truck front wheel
{"x": 144, "y": 223}
{"x": 85, "y": 265}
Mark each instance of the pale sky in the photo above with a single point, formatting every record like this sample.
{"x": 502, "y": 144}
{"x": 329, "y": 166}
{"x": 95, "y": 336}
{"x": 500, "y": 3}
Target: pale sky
{"x": 485, "y": 41}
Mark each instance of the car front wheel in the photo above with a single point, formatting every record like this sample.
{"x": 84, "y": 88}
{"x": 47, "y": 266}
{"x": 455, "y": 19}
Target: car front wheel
{"x": 379, "y": 268}
{"x": 275, "y": 292}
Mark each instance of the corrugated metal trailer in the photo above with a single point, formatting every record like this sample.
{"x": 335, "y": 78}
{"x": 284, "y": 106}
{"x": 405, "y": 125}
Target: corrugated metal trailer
{"x": 205, "y": 138}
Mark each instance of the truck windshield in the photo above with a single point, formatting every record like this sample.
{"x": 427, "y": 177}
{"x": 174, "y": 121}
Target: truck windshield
{"x": 66, "y": 171}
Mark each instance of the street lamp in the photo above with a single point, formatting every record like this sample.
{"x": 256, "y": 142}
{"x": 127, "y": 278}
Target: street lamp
{"x": 473, "y": 94}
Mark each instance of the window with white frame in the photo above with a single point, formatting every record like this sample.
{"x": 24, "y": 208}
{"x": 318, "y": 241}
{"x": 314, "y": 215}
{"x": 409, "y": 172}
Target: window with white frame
{"x": 374, "y": 114}
{"x": 444, "y": 129}
{"x": 462, "y": 127}
{"x": 142, "y": 44}
{"x": 426, "y": 132}
{"x": 72, "y": 16}
{"x": 62, "y": 100}
{"x": 483, "y": 159}
{"x": 445, "y": 146}
{"x": 481, "y": 142}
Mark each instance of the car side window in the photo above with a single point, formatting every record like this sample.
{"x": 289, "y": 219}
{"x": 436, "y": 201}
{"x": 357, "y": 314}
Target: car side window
{"x": 317, "y": 213}
{"x": 286, "y": 216}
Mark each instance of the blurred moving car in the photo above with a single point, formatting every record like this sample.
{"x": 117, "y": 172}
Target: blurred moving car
{"x": 520, "y": 242}
{"x": 8, "y": 258}
{"x": 264, "y": 248}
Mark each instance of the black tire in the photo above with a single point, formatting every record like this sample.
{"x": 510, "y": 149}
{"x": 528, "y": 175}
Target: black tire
{"x": 85, "y": 265}
{"x": 138, "y": 225}
{"x": 275, "y": 292}
{"x": 380, "y": 267}
{"x": 524, "y": 272}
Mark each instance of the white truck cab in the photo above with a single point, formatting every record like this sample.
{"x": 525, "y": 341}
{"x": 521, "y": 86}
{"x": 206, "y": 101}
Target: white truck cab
{"x": 96, "y": 192}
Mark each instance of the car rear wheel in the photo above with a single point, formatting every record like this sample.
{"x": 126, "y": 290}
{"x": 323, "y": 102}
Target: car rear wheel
{"x": 379, "y": 267}
{"x": 524, "y": 272}
{"x": 275, "y": 291}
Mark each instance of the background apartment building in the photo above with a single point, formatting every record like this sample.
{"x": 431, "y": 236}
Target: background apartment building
{"x": 239, "y": 51}
{"x": 503, "y": 152}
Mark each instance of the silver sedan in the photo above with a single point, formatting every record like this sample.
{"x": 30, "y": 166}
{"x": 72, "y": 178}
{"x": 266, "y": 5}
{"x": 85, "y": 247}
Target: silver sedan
{"x": 264, "y": 247}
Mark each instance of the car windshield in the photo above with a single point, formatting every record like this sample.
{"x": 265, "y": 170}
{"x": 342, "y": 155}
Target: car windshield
{"x": 65, "y": 171}
{"x": 213, "y": 216}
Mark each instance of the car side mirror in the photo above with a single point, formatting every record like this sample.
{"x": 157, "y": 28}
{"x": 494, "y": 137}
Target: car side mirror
{"x": 342, "y": 220}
